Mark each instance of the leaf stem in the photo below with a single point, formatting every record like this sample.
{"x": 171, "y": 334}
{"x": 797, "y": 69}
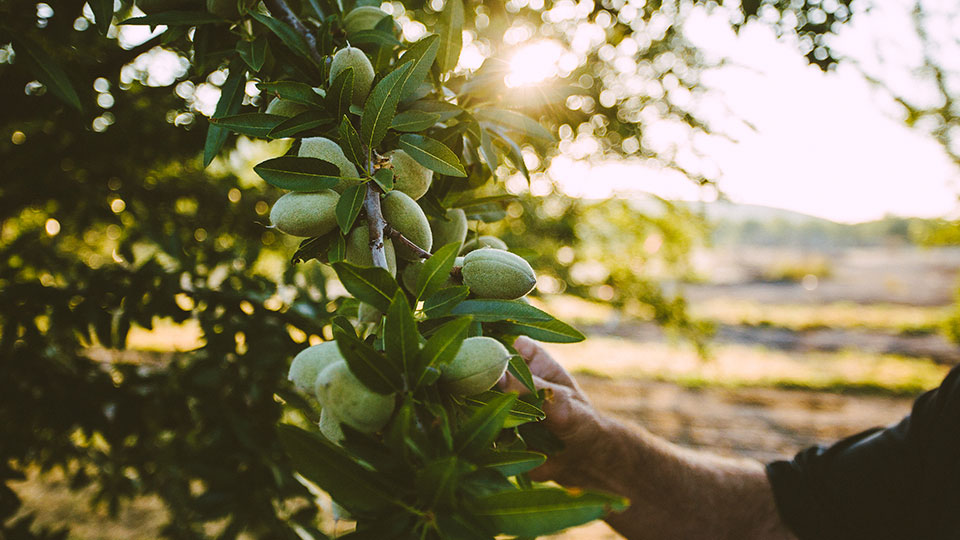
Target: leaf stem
{"x": 396, "y": 235}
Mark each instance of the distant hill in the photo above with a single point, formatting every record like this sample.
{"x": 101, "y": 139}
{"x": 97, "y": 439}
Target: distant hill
{"x": 749, "y": 224}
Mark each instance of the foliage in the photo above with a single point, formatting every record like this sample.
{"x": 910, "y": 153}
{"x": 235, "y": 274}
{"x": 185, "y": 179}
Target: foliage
{"x": 109, "y": 222}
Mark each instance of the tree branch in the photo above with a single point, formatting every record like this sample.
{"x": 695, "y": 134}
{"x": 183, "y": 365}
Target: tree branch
{"x": 376, "y": 225}
{"x": 397, "y": 236}
{"x": 282, "y": 11}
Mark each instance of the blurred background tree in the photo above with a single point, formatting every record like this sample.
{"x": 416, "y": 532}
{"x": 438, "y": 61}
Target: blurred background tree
{"x": 109, "y": 225}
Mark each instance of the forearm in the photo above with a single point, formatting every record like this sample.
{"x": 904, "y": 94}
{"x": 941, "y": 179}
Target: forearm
{"x": 677, "y": 493}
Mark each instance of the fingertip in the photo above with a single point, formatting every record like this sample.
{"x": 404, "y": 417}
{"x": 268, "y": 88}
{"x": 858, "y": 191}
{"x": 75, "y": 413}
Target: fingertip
{"x": 525, "y": 346}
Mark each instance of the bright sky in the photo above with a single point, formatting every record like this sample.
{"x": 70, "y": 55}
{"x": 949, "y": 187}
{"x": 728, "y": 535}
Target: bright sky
{"x": 825, "y": 144}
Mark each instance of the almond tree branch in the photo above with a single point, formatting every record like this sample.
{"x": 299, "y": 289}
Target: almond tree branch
{"x": 397, "y": 236}
{"x": 282, "y": 11}
{"x": 376, "y": 225}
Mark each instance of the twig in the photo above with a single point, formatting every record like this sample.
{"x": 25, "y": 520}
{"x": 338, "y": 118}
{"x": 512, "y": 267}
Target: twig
{"x": 376, "y": 225}
{"x": 282, "y": 11}
{"x": 396, "y": 235}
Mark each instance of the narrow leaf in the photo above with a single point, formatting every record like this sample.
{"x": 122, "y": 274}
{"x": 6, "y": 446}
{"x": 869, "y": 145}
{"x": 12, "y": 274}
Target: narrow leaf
{"x": 444, "y": 301}
{"x": 349, "y": 205}
{"x": 352, "y": 147}
{"x": 374, "y": 371}
{"x": 337, "y": 251}
{"x": 254, "y": 53}
{"x": 444, "y": 109}
{"x": 541, "y": 511}
{"x": 488, "y": 310}
{"x": 436, "y": 270}
{"x": 443, "y": 345}
{"x": 381, "y": 106}
{"x": 299, "y": 173}
{"x": 46, "y": 70}
{"x": 521, "y": 412}
{"x": 174, "y": 18}
{"x": 231, "y": 99}
{"x": 328, "y": 466}
{"x": 341, "y": 93}
{"x": 251, "y": 124}
{"x": 488, "y": 151}
{"x": 515, "y": 153}
{"x": 373, "y": 285}
{"x": 102, "y": 14}
{"x": 450, "y": 28}
{"x": 514, "y": 121}
{"x": 422, "y": 55}
{"x": 519, "y": 369}
{"x": 484, "y": 425}
{"x": 294, "y": 91}
{"x": 553, "y": 331}
{"x": 432, "y": 154}
{"x": 384, "y": 179}
{"x": 437, "y": 482}
{"x": 513, "y": 462}
{"x": 400, "y": 336}
{"x": 414, "y": 121}
{"x": 299, "y": 123}
{"x": 374, "y": 37}
{"x": 290, "y": 37}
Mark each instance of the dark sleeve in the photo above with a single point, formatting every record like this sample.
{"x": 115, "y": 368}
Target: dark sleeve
{"x": 900, "y": 482}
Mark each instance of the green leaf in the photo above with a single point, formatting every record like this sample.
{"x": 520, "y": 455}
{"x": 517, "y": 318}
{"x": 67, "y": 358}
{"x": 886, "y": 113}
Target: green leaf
{"x": 337, "y": 251}
{"x": 349, "y": 205}
{"x": 442, "y": 346}
{"x": 381, "y": 106}
{"x": 174, "y": 18}
{"x": 521, "y": 412}
{"x": 299, "y": 173}
{"x": 487, "y": 310}
{"x": 290, "y": 37}
{"x": 46, "y": 70}
{"x": 414, "y": 121}
{"x": 441, "y": 303}
{"x": 540, "y": 511}
{"x": 231, "y": 99}
{"x": 400, "y": 336}
{"x": 351, "y": 145}
{"x": 432, "y": 154}
{"x": 516, "y": 122}
{"x": 483, "y": 426}
{"x": 436, "y": 270}
{"x": 374, "y": 370}
{"x": 251, "y": 124}
{"x": 294, "y": 91}
{"x": 450, "y": 27}
{"x": 373, "y": 285}
{"x": 422, "y": 55}
{"x": 552, "y": 331}
{"x": 519, "y": 369}
{"x": 374, "y": 37}
{"x": 254, "y": 53}
{"x": 515, "y": 153}
{"x": 437, "y": 482}
{"x": 384, "y": 179}
{"x": 341, "y": 92}
{"x": 488, "y": 151}
{"x": 299, "y": 123}
{"x": 329, "y": 467}
{"x": 102, "y": 14}
{"x": 512, "y": 463}
{"x": 444, "y": 109}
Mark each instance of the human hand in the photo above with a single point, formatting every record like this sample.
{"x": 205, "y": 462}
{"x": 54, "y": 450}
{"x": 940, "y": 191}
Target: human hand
{"x": 570, "y": 416}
